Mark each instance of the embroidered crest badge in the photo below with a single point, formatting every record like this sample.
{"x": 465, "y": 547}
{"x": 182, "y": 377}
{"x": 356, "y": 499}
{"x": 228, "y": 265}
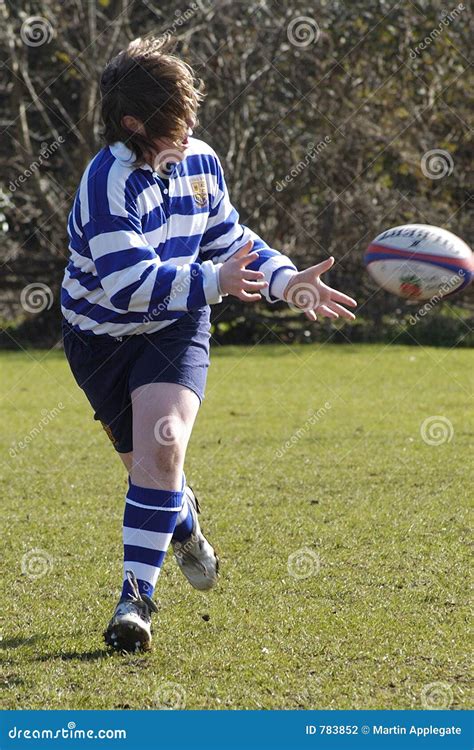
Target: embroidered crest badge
{"x": 199, "y": 187}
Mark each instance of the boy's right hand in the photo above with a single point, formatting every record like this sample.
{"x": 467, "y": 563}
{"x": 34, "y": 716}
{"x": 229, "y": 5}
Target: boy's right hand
{"x": 236, "y": 279}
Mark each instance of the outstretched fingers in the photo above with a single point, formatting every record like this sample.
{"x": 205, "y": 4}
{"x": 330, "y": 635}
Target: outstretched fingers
{"x": 322, "y": 267}
{"x": 246, "y": 297}
{"x": 245, "y": 254}
{"x": 252, "y": 275}
{"x": 247, "y": 259}
{"x": 326, "y": 312}
{"x": 243, "y": 251}
{"x": 341, "y": 297}
{"x": 340, "y": 310}
{"x": 253, "y": 286}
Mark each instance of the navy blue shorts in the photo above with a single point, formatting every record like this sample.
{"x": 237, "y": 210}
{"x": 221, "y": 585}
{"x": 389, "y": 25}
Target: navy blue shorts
{"x": 109, "y": 369}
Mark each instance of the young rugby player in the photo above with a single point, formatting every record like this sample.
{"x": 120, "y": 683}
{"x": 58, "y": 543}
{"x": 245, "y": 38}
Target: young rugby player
{"x": 154, "y": 241}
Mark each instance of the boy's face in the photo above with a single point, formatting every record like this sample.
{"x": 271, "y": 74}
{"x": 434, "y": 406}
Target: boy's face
{"x": 179, "y": 146}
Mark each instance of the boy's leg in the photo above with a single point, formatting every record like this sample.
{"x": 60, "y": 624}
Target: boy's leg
{"x": 163, "y": 417}
{"x": 185, "y": 520}
{"x": 196, "y": 558}
{"x": 127, "y": 460}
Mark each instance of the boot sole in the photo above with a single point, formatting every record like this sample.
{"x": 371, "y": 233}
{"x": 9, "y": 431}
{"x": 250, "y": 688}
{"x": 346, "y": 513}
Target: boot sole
{"x": 128, "y": 638}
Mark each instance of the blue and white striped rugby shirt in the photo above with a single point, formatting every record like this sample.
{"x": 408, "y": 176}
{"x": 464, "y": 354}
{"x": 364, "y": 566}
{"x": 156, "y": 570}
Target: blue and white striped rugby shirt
{"x": 144, "y": 250}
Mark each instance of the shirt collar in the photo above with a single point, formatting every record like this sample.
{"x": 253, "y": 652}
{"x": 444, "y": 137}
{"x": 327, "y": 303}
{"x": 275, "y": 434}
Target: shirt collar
{"x": 125, "y": 155}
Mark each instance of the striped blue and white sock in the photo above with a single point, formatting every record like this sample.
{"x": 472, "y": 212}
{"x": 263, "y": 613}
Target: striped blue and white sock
{"x": 185, "y": 522}
{"x": 148, "y": 524}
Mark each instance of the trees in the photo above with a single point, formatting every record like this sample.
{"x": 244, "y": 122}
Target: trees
{"x": 322, "y": 113}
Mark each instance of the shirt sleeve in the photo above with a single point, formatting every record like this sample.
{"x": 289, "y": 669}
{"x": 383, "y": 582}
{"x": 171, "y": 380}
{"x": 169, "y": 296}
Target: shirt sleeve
{"x": 133, "y": 276}
{"x": 224, "y": 235}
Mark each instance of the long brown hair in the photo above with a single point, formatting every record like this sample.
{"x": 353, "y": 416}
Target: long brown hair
{"x": 148, "y": 82}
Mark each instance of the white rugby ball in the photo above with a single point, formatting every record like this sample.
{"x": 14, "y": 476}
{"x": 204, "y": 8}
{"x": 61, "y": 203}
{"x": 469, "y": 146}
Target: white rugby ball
{"x": 418, "y": 262}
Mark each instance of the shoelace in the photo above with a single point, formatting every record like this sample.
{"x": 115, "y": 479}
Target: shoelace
{"x": 140, "y": 600}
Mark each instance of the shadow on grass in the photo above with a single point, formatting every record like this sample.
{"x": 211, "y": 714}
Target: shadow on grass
{"x": 8, "y": 643}
{"x": 75, "y": 655}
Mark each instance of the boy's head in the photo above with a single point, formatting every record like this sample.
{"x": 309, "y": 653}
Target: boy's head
{"x": 149, "y": 99}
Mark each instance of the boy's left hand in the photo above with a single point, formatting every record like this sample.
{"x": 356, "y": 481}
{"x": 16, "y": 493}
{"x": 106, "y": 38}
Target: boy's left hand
{"x": 307, "y": 292}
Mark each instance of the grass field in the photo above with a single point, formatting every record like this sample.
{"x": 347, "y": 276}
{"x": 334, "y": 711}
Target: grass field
{"x": 340, "y": 515}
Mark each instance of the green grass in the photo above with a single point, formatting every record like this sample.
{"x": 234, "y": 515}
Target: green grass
{"x": 384, "y": 514}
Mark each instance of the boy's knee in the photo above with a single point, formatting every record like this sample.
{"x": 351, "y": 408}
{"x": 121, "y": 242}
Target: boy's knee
{"x": 169, "y": 433}
{"x": 160, "y": 464}
{"x": 169, "y": 459}
{"x": 159, "y": 458}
